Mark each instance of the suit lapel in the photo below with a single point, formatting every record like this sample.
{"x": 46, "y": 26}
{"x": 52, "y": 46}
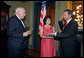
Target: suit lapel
{"x": 68, "y": 25}
{"x": 70, "y": 22}
{"x": 20, "y": 22}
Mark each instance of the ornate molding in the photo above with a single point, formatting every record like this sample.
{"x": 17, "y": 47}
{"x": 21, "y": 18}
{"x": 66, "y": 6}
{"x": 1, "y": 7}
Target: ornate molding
{"x": 69, "y": 5}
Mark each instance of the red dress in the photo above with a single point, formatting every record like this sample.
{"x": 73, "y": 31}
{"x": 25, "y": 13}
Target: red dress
{"x": 47, "y": 45}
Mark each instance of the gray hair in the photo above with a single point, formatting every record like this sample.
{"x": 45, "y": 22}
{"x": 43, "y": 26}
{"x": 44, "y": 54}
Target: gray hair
{"x": 18, "y": 9}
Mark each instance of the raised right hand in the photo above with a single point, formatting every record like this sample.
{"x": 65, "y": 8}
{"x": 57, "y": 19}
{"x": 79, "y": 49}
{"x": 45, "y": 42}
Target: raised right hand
{"x": 61, "y": 17}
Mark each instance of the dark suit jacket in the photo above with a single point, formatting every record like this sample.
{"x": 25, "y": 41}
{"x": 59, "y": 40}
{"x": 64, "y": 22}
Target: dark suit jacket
{"x": 68, "y": 38}
{"x": 15, "y": 31}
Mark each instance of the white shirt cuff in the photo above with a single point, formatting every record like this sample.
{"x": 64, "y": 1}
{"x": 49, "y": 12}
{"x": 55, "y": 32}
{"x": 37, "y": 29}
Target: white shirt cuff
{"x": 55, "y": 33}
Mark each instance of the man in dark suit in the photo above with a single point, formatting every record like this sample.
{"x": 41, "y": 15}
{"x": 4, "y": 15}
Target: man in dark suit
{"x": 68, "y": 40}
{"x": 17, "y": 34}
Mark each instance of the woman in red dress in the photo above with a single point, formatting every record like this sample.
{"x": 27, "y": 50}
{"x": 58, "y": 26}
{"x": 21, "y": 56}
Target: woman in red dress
{"x": 47, "y": 45}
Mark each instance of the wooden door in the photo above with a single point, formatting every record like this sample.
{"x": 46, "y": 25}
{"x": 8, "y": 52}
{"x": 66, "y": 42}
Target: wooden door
{"x": 51, "y": 12}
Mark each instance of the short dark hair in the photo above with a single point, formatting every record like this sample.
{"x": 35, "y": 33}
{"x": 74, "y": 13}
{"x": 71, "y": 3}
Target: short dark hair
{"x": 44, "y": 20}
{"x": 70, "y": 12}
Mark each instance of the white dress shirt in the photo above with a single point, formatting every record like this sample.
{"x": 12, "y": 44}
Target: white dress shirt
{"x": 69, "y": 20}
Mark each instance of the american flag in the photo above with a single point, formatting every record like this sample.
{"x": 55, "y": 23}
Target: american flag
{"x": 42, "y": 16}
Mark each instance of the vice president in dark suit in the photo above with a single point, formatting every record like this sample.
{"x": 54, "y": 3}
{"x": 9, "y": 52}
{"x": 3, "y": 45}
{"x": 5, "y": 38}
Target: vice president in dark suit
{"x": 17, "y": 34}
{"x": 68, "y": 40}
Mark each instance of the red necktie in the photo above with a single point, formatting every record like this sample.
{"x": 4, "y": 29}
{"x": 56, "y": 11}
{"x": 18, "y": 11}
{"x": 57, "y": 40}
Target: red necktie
{"x": 65, "y": 25}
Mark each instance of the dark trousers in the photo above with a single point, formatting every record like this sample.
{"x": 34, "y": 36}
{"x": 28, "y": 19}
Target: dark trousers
{"x": 15, "y": 52}
{"x": 68, "y": 52}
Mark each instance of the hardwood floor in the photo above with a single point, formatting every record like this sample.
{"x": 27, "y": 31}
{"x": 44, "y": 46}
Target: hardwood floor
{"x": 32, "y": 53}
